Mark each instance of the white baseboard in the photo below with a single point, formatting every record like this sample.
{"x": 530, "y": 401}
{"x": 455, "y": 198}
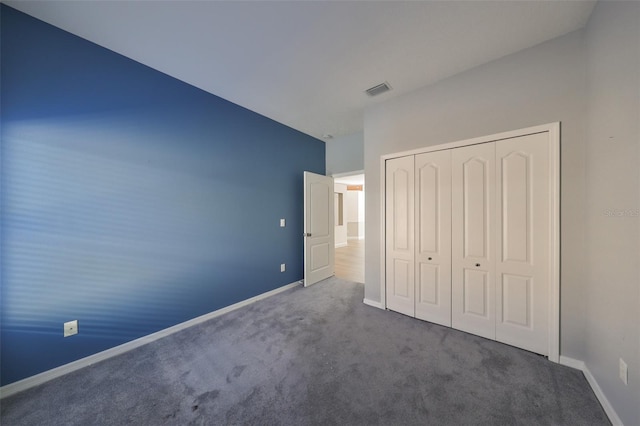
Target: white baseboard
{"x": 43, "y": 377}
{"x": 373, "y": 303}
{"x": 338, "y": 245}
{"x": 608, "y": 408}
{"x": 573, "y": 363}
{"x": 355, "y": 238}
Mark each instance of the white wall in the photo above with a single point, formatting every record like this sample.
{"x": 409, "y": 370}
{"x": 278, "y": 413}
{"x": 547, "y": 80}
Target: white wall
{"x": 345, "y": 154}
{"x": 543, "y": 84}
{"x": 613, "y": 198}
{"x": 341, "y": 230}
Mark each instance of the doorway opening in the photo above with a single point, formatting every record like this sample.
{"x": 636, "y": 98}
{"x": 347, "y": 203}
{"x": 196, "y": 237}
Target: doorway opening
{"x": 349, "y": 226}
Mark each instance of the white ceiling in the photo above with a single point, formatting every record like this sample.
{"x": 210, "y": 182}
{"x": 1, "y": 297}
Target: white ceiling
{"x": 307, "y": 63}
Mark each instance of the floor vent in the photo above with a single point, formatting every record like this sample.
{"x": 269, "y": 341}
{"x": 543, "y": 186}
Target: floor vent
{"x": 380, "y": 88}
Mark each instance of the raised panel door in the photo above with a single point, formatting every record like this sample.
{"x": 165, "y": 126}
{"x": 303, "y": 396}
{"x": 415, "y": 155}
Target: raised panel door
{"x": 433, "y": 237}
{"x": 399, "y": 212}
{"x": 473, "y": 245}
{"x": 522, "y": 232}
{"x": 319, "y": 253}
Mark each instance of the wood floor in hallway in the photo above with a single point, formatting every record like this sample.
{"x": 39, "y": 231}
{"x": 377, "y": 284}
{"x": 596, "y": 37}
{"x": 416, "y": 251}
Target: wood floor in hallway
{"x": 349, "y": 261}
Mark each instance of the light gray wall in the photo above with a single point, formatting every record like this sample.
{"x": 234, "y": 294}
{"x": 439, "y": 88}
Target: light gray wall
{"x": 340, "y": 233}
{"x": 355, "y": 214}
{"x": 352, "y": 206}
{"x": 612, "y": 231}
{"x": 345, "y": 154}
{"x": 588, "y": 80}
{"x": 539, "y": 85}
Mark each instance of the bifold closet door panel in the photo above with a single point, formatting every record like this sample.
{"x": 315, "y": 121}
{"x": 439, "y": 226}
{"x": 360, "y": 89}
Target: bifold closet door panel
{"x": 433, "y": 237}
{"x": 523, "y": 235}
{"x": 399, "y": 206}
{"x": 473, "y": 245}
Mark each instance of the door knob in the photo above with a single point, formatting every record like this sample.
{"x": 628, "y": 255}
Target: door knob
{"x": 477, "y": 264}
{"x": 306, "y": 234}
{"x": 429, "y": 258}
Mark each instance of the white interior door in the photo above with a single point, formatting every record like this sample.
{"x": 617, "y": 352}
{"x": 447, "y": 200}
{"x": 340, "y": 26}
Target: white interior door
{"x": 523, "y": 224}
{"x": 433, "y": 237}
{"x": 319, "y": 249}
{"x": 399, "y": 212}
{"x": 473, "y": 247}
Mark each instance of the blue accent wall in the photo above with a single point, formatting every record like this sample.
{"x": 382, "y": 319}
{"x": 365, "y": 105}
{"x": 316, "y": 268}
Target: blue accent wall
{"x": 131, "y": 201}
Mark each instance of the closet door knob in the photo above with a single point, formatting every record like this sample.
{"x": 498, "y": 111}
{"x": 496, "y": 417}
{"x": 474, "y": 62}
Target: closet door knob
{"x": 477, "y": 264}
{"x": 429, "y": 258}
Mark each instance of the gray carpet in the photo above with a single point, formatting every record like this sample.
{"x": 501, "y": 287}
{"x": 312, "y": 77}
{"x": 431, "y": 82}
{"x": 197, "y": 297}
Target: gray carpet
{"x": 312, "y": 356}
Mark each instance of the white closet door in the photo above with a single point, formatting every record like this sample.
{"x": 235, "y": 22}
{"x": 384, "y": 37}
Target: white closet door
{"x": 433, "y": 237}
{"x": 473, "y": 247}
{"x": 400, "y": 235}
{"x": 523, "y": 224}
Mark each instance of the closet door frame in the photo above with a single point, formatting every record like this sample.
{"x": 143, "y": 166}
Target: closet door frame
{"x": 553, "y": 130}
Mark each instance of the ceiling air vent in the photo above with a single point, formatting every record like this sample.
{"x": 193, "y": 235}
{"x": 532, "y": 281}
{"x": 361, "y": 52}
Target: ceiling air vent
{"x": 380, "y": 88}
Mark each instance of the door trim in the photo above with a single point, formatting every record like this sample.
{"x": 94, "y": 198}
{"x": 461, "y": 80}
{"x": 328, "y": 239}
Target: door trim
{"x": 554, "y": 206}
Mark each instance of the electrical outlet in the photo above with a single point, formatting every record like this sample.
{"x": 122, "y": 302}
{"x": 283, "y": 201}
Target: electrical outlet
{"x": 283, "y": 267}
{"x": 282, "y": 223}
{"x": 624, "y": 374}
{"x": 70, "y": 328}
